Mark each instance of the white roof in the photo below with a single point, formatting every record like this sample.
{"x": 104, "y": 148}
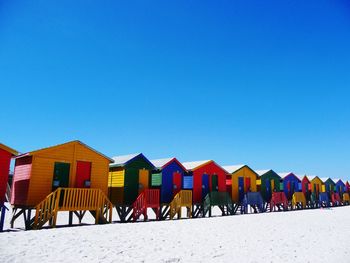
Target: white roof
{"x": 311, "y": 177}
{"x": 299, "y": 176}
{"x": 122, "y": 159}
{"x": 233, "y": 168}
{"x": 284, "y": 174}
{"x": 337, "y": 179}
{"x": 193, "y": 165}
{"x": 324, "y": 179}
{"x": 159, "y": 163}
{"x": 261, "y": 172}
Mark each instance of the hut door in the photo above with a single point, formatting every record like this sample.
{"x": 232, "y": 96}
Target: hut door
{"x": 240, "y": 188}
{"x": 214, "y": 183}
{"x": 205, "y": 185}
{"x": 82, "y": 179}
{"x": 176, "y": 183}
{"x": 247, "y": 184}
{"x": 292, "y": 188}
{"x": 268, "y": 187}
{"x": 60, "y": 175}
{"x": 143, "y": 179}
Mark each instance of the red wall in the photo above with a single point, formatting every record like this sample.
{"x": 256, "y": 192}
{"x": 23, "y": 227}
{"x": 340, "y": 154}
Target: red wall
{"x": 210, "y": 169}
{"x": 21, "y": 177}
{"x": 5, "y": 159}
{"x": 303, "y": 183}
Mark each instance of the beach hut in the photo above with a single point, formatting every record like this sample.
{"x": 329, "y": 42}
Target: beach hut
{"x": 168, "y": 175}
{"x": 208, "y": 177}
{"x": 316, "y": 185}
{"x": 270, "y": 182}
{"x": 244, "y": 181}
{"x": 310, "y": 199}
{"x": 64, "y": 177}
{"x": 291, "y": 184}
{"x": 129, "y": 176}
{"x": 340, "y": 186}
{"x": 347, "y": 187}
{"x": 329, "y": 186}
{"x": 6, "y": 154}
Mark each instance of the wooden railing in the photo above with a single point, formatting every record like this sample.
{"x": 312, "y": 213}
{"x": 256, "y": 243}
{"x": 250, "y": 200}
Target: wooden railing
{"x": 298, "y": 198}
{"x": 73, "y": 199}
{"x": 181, "y": 199}
{"x": 139, "y": 207}
{"x": 147, "y": 198}
{"x": 175, "y": 205}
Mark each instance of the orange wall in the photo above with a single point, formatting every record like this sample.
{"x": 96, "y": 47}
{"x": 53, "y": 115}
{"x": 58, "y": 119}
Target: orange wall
{"x": 43, "y": 167}
{"x": 244, "y": 172}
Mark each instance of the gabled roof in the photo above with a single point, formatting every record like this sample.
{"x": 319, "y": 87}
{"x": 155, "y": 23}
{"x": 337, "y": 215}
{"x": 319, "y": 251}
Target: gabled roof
{"x": 8, "y": 149}
{"x": 63, "y": 144}
{"x": 234, "y": 168}
{"x": 123, "y": 160}
{"x": 286, "y": 174}
{"x": 305, "y": 176}
{"x": 196, "y": 164}
{"x": 325, "y": 179}
{"x": 312, "y": 177}
{"x": 338, "y": 180}
{"x": 161, "y": 163}
{"x": 262, "y": 172}
{"x": 300, "y": 177}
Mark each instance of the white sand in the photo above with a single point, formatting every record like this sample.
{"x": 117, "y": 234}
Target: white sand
{"x": 321, "y": 235}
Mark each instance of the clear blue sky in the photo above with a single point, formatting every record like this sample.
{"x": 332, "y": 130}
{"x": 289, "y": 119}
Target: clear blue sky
{"x": 266, "y": 83}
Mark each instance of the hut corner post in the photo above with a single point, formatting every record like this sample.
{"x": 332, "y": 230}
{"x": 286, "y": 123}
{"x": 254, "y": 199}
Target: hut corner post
{"x": 26, "y": 212}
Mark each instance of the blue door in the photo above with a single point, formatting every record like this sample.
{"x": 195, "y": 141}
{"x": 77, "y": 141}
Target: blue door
{"x": 240, "y": 188}
{"x": 268, "y": 187}
{"x": 294, "y": 186}
{"x": 205, "y": 185}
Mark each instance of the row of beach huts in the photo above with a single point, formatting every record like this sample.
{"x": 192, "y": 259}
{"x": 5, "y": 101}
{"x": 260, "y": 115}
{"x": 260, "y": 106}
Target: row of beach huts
{"x": 75, "y": 178}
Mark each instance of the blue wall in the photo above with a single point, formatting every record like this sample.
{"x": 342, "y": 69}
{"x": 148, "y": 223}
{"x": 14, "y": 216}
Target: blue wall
{"x": 294, "y": 180}
{"x": 166, "y": 192}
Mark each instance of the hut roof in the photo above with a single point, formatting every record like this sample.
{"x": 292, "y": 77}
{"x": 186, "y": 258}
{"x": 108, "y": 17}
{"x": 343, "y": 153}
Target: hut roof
{"x": 233, "y": 168}
{"x": 196, "y": 164}
{"x": 262, "y": 172}
{"x": 161, "y": 163}
{"x": 285, "y": 174}
{"x": 59, "y": 145}
{"x": 338, "y": 180}
{"x": 123, "y": 160}
{"x": 8, "y": 149}
{"x": 325, "y": 179}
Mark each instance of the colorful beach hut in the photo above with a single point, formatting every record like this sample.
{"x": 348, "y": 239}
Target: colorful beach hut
{"x": 208, "y": 178}
{"x": 329, "y": 186}
{"x": 291, "y": 184}
{"x": 243, "y": 180}
{"x": 60, "y": 175}
{"x": 129, "y": 176}
{"x": 270, "y": 182}
{"x": 169, "y": 174}
{"x": 310, "y": 200}
{"x": 340, "y": 186}
{"x": 6, "y": 154}
{"x": 244, "y": 188}
{"x": 316, "y": 185}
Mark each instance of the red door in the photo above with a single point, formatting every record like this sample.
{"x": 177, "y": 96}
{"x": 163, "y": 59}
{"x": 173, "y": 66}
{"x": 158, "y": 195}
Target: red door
{"x": 83, "y": 175}
{"x": 176, "y": 182}
{"x": 247, "y": 184}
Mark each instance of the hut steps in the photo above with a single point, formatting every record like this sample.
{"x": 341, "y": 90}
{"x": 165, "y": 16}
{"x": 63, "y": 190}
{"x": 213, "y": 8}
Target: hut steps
{"x": 77, "y": 200}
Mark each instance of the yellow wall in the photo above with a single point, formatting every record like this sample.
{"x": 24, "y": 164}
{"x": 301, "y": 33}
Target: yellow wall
{"x": 43, "y": 165}
{"x": 316, "y": 181}
{"x": 244, "y": 172}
